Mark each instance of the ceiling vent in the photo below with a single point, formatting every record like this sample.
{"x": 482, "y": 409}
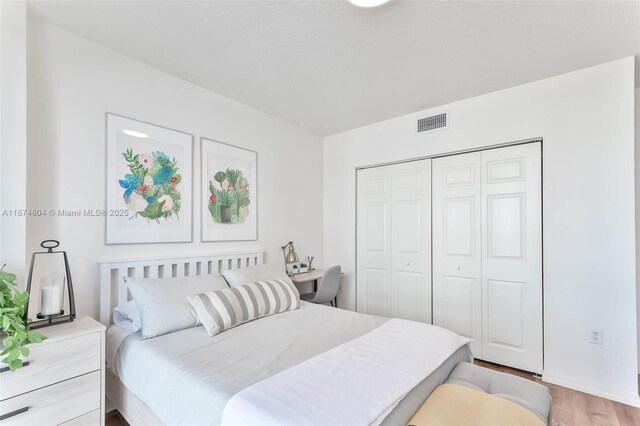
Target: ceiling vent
{"x": 435, "y": 122}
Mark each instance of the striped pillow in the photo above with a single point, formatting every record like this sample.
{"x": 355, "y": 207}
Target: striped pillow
{"x": 223, "y": 309}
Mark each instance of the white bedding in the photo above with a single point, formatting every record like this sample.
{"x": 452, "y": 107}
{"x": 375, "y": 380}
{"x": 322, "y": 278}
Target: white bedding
{"x": 187, "y": 377}
{"x": 114, "y": 337}
{"x": 356, "y": 383}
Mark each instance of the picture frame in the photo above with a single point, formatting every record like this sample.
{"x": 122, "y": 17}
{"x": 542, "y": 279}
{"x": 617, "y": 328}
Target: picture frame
{"x": 148, "y": 184}
{"x": 229, "y": 208}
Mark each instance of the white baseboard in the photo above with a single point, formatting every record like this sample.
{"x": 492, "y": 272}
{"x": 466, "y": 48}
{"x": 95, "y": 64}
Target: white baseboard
{"x": 109, "y": 406}
{"x": 607, "y": 392}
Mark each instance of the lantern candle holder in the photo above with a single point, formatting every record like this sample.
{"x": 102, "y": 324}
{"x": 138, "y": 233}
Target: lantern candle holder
{"x": 50, "y": 273}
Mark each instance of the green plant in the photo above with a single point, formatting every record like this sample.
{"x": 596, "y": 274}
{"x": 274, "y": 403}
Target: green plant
{"x": 225, "y": 198}
{"x": 13, "y": 325}
{"x": 230, "y": 203}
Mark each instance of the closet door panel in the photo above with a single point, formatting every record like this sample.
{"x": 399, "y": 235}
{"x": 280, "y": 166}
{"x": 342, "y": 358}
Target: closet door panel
{"x": 375, "y": 291}
{"x": 411, "y": 297}
{"x": 459, "y": 220}
{"x": 411, "y": 240}
{"x": 505, "y": 314}
{"x": 394, "y": 241}
{"x": 506, "y": 226}
{"x": 458, "y": 304}
{"x": 512, "y": 256}
{"x": 373, "y": 241}
{"x": 457, "y": 246}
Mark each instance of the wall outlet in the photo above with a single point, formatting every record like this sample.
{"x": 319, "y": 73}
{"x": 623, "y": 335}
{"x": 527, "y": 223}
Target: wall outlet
{"x": 596, "y": 337}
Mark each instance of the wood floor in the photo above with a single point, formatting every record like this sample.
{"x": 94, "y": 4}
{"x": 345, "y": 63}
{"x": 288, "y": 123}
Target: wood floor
{"x": 569, "y": 407}
{"x": 114, "y": 418}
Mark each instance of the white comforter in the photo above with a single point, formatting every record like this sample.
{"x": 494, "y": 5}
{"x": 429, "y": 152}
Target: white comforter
{"x": 356, "y": 383}
{"x": 188, "y": 378}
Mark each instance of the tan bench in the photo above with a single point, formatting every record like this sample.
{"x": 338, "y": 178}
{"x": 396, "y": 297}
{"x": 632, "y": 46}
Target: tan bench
{"x": 474, "y": 395}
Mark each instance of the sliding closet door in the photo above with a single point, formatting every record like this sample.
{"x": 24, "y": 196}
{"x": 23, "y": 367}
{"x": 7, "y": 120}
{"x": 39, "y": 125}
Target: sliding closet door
{"x": 512, "y": 256}
{"x": 393, "y": 241}
{"x": 411, "y": 240}
{"x": 374, "y": 241}
{"x": 457, "y": 257}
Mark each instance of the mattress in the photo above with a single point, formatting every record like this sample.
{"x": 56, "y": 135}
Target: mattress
{"x": 199, "y": 374}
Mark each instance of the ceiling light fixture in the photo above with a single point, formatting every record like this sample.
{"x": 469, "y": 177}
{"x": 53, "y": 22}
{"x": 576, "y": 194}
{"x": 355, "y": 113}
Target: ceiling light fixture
{"x": 135, "y": 134}
{"x": 368, "y": 3}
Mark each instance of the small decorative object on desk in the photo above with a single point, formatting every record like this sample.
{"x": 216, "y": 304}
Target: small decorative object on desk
{"x": 303, "y": 268}
{"x": 291, "y": 259}
{"x": 310, "y": 259}
{"x": 49, "y": 280}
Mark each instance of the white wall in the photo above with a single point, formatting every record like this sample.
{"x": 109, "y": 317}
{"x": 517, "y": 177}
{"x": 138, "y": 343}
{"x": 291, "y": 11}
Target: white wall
{"x": 637, "y": 151}
{"x": 72, "y": 82}
{"x": 586, "y": 119}
{"x": 13, "y": 134}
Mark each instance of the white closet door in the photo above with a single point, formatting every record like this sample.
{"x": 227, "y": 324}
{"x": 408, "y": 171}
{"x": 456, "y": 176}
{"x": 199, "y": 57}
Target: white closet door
{"x": 457, "y": 257}
{"x": 512, "y": 256}
{"x": 411, "y": 240}
{"x": 373, "y": 241}
{"x": 393, "y": 241}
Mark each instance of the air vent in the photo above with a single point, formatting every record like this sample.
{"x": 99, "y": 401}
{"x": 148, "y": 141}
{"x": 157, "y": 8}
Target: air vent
{"x": 432, "y": 123}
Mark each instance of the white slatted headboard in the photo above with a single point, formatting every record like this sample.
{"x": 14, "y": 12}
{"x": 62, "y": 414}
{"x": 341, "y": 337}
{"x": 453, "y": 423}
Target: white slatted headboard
{"x": 113, "y": 290}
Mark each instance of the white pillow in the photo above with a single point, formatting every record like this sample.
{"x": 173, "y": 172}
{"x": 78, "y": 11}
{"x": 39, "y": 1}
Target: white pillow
{"x": 127, "y": 316}
{"x": 236, "y": 277}
{"x": 163, "y": 302}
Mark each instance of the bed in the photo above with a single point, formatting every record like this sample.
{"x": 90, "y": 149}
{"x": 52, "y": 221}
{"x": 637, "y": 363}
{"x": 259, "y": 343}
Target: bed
{"x": 186, "y": 377}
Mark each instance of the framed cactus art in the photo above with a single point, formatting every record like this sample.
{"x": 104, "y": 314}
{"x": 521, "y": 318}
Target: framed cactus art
{"x": 149, "y": 177}
{"x": 229, "y": 209}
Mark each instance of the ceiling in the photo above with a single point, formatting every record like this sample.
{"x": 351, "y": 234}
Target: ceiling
{"x": 329, "y": 66}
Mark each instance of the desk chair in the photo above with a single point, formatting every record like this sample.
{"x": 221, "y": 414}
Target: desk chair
{"x": 327, "y": 288}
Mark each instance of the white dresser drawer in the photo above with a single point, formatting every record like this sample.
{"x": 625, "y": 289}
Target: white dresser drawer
{"x": 89, "y": 419}
{"x": 54, "y": 404}
{"x": 53, "y": 362}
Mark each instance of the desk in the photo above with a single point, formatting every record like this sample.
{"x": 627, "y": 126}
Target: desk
{"x": 314, "y": 276}
{"x": 305, "y": 277}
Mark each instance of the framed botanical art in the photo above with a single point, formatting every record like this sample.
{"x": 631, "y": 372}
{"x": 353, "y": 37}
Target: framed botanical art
{"x": 228, "y": 196}
{"x": 149, "y": 183}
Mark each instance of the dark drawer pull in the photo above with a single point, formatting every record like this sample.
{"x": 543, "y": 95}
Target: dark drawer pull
{"x": 4, "y": 369}
{"x": 14, "y": 413}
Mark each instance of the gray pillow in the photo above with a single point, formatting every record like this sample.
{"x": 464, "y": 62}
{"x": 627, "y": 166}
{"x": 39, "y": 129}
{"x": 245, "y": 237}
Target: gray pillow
{"x": 224, "y": 309}
{"x": 164, "y": 304}
{"x": 236, "y": 277}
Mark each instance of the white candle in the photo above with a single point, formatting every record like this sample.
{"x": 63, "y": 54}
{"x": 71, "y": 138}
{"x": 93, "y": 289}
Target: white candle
{"x": 50, "y": 297}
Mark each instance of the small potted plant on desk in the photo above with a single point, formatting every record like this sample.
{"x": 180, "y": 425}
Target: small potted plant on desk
{"x": 13, "y": 329}
{"x": 303, "y": 268}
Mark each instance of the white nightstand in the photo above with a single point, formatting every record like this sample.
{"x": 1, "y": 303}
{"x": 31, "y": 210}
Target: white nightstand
{"x": 63, "y": 382}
